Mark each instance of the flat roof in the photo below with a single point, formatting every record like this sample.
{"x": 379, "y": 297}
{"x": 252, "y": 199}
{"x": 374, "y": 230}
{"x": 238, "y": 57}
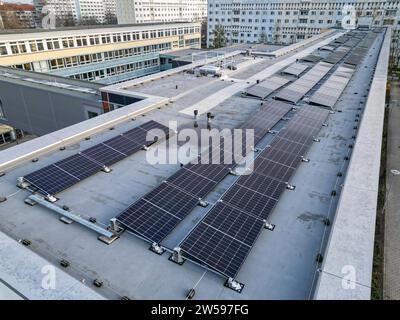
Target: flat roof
{"x": 86, "y": 89}
{"x": 281, "y": 265}
{"x": 26, "y": 34}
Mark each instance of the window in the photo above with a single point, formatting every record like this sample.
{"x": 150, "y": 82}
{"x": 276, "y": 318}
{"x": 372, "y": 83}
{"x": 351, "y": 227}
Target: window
{"x": 3, "y": 49}
{"x": 2, "y": 114}
{"x": 106, "y": 38}
{"x": 81, "y": 42}
{"x": 67, "y": 42}
{"x": 52, "y": 44}
{"x": 92, "y": 114}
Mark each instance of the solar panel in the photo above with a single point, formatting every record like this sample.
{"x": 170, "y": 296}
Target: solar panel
{"x": 51, "y": 180}
{"x": 63, "y": 174}
{"x": 225, "y": 236}
{"x": 267, "y": 87}
{"x": 194, "y": 183}
{"x": 156, "y": 214}
{"x": 212, "y": 172}
{"x": 214, "y": 248}
{"x": 196, "y": 180}
{"x": 281, "y": 157}
{"x": 123, "y": 145}
{"x": 234, "y": 222}
{"x": 328, "y": 94}
{"x": 296, "y": 69}
{"x": 148, "y": 220}
{"x": 262, "y": 184}
{"x": 273, "y": 169}
{"x": 299, "y": 88}
{"x": 243, "y": 198}
{"x": 79, "y": 166}
{"x": 311, "y": 58}
{"x": 104, "y": 154}
{"x": 173, "y": 200}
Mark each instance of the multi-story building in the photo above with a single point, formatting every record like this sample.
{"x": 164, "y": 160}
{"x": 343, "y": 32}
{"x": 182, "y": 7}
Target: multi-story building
{"x": 95, "y": 9}
{"x": 133, "y": 11}
{"x": 287, "y": 21}
{"x": 17, "y": 16}
{"x": 62, "y": 9}
{"x": 77, "y": 10}
{"x": 102, "y": 54}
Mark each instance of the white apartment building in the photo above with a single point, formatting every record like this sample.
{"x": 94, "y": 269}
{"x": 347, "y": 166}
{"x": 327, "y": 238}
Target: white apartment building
{"x": 288, "y": 21}
{"x": 145, "y": 11}
{"x": 61, "y": 8}
{"x": 106, "y": 54}
{"x": 95, "y": 9}
{"x": 79, "y": 9}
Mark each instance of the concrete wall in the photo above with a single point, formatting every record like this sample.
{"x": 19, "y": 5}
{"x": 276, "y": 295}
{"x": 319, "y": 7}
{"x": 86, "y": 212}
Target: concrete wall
{"x": 40, "y": 111}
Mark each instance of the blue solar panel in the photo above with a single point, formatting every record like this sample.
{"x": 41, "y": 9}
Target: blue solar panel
{"x": 104, "y": 154}
{"x": 50, "y": 180}
{"x": 79, "y": 166}
{"x": 63, "y": 174}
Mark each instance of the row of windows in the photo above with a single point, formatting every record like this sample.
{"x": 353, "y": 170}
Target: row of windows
{"x": 109, "y": 72}
{"x": 271, "y": 20}
{"x": 22, "y": 47}
{"x": 313, "y": 5}
{"x": 74, "y": 61}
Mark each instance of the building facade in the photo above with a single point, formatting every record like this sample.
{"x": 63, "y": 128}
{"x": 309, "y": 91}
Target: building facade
{"x": 64, "y": 10}
{"x": 289, "y": 21}
{"x": 133, "y": 11}
{"x": 95, "y": 9}
{"x": 17, "y": 16}
{"x": 75, "y": 11}
{"x": 102, "y": 54}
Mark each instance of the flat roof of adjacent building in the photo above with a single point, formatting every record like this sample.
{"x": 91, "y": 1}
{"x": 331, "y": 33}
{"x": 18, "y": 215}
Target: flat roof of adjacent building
{"x": 87, "y": 90}
{"x": 26, "y": 34}
{"x": 282, "y": 263}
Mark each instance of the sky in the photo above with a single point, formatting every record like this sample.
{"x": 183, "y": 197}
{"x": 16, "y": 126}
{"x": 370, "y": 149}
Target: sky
{"x": 18, "y": 1}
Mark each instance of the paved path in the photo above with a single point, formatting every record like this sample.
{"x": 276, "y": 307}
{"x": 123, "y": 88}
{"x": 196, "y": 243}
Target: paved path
{"x": 391, "y": 277}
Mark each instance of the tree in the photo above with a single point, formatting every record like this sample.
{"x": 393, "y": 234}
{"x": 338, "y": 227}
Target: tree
{"x": 263, "y": 37}
{"x": 394, "y": 60}
{"x": 110, "y": 18}
{"x": 219, "y": 37}
{"x": 204, "y": 33}
{"x": 10, "y": 20}
{"x": 69, "y": 20}
{"x": 89, "y": 21}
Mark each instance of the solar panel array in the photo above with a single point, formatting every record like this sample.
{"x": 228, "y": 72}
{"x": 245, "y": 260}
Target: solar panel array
{"x": 296, "y": 69}
{"x": 358, "y": 54}
{"x": 156, "y": 214}
{"x": 63, "y": 174}
{"x": 224, "y": 237}
{"x": 298, "y": 89}
{"x": 337, "y": 55}
{"x": 328, "y": 94}
{"x": 267, "y": 87}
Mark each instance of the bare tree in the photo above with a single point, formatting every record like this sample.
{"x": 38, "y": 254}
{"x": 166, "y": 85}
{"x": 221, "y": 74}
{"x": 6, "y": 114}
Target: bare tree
{"x": 10, "y": 20}
{"x": 263, "y": 37}
{"x": 110, "y": 18}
